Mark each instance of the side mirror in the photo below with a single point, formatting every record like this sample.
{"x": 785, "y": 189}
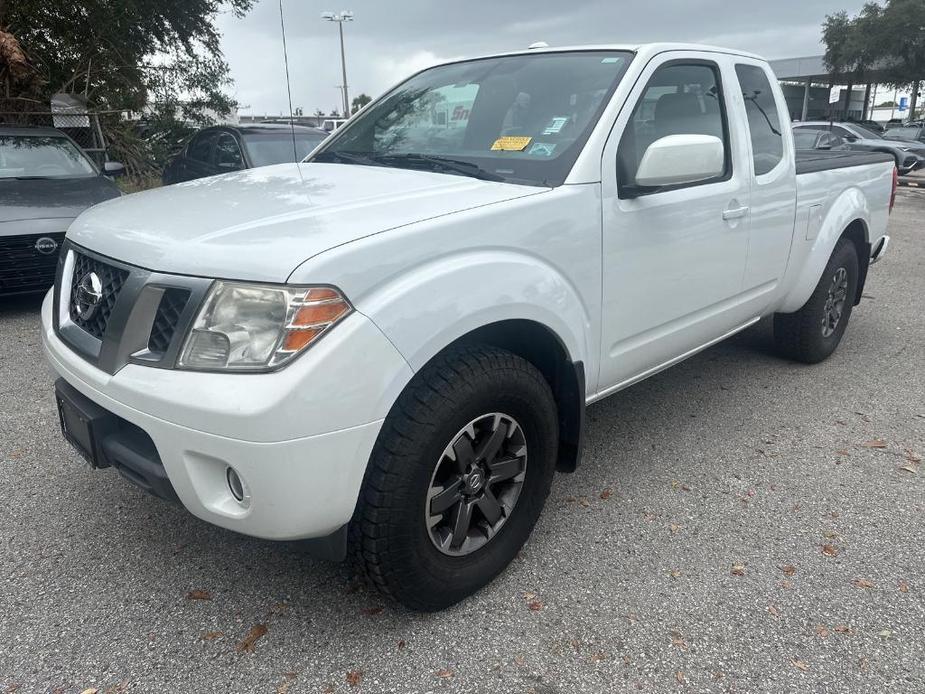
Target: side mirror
{"x": 851, "y": 138}
{"x": 113, "y": 168}
{"x": 678, "y": 159}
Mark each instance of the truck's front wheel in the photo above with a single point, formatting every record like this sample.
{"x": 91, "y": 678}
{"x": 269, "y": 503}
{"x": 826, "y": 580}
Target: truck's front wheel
{"x": 812, "y": 333}
{"x": 457, "y": 479}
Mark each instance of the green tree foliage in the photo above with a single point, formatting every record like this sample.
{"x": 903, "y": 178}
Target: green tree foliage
{"x": 359, "y": 102}
{"x": 886, "y": 40}
{"x": 161, "y": 58}
{"x": 122, "y": 54}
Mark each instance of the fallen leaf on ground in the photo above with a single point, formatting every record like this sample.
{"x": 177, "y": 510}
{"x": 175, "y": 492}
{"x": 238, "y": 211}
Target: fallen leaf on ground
{"x": 91, "y": 690}
{"x": 247, "y": 645}
{"x": 830, "y": 550}
{"x": 903, "y": 587}
{"x": 674, "y": 573}
{"x": 519, "y": 660}
{"x": 829, "y": 534}
{"x": 874, "y": 443}
{"x": 529, "y": 596}
{"x": 401, "y": 644}
{"x": 842, "y": 451}
{"x": 863, "y": 663}
{"x": 607, "y": 493}
{"x": 444, "y": 673}
{"x": 584, "y": 503}
{"x": 678, "y": 640}
{"x": 648, "y": 516}
{"x": 283, "y": 687}
{"x": 535, "y": 605}
{"x": 885, "y": 634}
{"x": 913, "y": 457}
{"x": 862, "y": 583}
{"x": 822, "y": 631}
{"x": 211, "y": 635}
{"x": 570, "y": 499}
{"x": 738, "y": 570}
{"x": 354, "y": 677}
{"x": 199, "y": 595}
{"x": 679, "y": 677}
{"x": 372, "y": 611}
{"x": 909, "y": 467}
{"x": 785, "y": 584}
{"x": 788, "y": 569}
{"x": 675, "y": 527}
{"x": 843, "y": 629}
{"x": 773, "y": 611}
{"x": 800, "y": 665}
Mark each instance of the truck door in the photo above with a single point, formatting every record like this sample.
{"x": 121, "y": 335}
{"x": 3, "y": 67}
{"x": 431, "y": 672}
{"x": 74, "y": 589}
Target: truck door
{"x": 772, "y": 183}
{"x": 673, "y": 257}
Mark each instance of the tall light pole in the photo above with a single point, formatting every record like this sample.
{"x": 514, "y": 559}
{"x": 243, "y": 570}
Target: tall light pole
{"x": 340, "y": 18}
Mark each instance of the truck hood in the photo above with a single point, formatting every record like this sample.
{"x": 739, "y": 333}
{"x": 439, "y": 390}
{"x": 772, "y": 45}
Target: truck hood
{"x": 262, "y": 223}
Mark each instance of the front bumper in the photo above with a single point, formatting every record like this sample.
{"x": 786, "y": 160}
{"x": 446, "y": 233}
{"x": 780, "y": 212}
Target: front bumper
{"x": 299, "y": 438}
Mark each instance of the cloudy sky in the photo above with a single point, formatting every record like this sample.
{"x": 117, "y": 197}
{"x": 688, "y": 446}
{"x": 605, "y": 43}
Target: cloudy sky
{"x": 391, "y": 39}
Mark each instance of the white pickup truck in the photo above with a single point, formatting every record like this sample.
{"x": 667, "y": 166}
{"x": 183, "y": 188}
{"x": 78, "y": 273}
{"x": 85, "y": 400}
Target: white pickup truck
{"x": 388, "y": 348}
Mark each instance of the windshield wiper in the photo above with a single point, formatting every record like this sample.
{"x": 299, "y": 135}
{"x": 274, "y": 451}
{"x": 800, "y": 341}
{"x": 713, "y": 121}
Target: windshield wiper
{"x": 463, "y": 168}
{"x": 332, "y": 155}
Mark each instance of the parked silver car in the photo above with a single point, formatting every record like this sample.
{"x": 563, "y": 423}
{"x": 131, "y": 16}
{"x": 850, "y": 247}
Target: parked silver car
{"x": 908, "y": 155}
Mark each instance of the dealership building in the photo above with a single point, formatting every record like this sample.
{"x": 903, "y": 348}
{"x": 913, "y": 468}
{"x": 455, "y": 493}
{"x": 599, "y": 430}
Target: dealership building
{"x": 806, "y": 82}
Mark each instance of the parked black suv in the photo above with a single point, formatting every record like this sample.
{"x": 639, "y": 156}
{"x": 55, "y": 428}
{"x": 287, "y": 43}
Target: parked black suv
{"x": 225, "y": 148}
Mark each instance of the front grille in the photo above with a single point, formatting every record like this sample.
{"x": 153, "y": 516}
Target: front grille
{"x": 111, "y": 278}
{"x": 165, "y": 321}
{"x": 23, "y": 268}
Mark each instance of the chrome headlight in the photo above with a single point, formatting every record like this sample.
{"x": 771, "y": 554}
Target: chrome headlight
{"x": 257, "y": 327}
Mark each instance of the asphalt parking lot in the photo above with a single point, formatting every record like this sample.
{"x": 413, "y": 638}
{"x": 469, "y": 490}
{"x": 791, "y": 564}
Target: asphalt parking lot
{"x": 740, "y": 523}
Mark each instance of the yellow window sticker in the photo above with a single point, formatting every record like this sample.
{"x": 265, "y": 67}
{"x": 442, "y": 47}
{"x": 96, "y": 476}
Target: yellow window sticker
{"x": 511, "y": 144}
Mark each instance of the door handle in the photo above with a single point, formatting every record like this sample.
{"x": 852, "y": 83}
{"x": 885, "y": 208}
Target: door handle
{"x": 735, "y": 213}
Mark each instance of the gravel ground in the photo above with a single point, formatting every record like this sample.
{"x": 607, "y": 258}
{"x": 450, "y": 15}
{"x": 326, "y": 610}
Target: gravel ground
{"x": 728, "y": 531}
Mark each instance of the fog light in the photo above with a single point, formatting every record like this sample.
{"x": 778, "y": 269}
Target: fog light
{"x": 235, "y": 484}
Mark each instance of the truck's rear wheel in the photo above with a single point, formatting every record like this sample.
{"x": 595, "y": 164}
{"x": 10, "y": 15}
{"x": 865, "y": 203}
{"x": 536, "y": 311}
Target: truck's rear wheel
{"x": 457, "y": 479}
{"x": 812, "y": 333}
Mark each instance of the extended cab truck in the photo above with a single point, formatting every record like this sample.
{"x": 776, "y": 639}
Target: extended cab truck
{"x": 388, "y": 348}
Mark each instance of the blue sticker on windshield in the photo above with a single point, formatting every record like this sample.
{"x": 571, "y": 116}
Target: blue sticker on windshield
{"x": 542, "y": 149}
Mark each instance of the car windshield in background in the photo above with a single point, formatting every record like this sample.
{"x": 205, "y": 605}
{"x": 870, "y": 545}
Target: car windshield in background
{"x": 41, "y": 156}
{"x": 519, "y": 118}
{"x": 904, "y": 133}
{"x": 868, "y": 133}
{"x": 804, "y": 139}
{"x": 276, "y": 147}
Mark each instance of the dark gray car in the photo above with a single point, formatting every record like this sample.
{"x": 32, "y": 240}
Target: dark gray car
{"x": 45, "y": 182}
{"x": 224, "y": 148}
{"x": 908, "y": 155}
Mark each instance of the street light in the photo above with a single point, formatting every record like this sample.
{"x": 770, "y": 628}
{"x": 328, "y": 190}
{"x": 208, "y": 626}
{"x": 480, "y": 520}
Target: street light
{"x": 340, "y": 18}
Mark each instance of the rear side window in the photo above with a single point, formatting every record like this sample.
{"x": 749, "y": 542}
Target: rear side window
{"x": 763, "y": 122}
{"x": 680, "y": 99}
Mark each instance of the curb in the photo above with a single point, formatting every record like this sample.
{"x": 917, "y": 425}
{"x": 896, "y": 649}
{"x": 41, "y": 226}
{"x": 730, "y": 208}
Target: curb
{"x": 911, "y": 182}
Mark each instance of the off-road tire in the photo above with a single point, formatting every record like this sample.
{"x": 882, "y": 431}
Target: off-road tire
{"x": 800, "y": 335}
{"x": 389, "y": 540}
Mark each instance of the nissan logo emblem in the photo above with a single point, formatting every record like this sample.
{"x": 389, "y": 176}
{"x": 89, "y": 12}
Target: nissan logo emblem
{"x": 46, "y": 245}
{"x": 88, "y": 295}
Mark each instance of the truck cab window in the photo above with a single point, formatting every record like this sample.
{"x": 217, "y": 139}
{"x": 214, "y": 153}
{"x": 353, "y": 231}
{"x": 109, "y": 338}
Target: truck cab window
{"x": 763, "y": 122}
{"x": 680, "y": 99}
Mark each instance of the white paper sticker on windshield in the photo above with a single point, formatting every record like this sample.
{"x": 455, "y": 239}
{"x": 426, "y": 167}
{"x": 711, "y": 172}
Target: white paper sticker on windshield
{"x": 555, "y": 125}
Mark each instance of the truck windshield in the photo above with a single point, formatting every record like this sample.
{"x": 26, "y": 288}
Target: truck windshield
{"x": 41, "y": 156}
{"x": 518, "y": 118}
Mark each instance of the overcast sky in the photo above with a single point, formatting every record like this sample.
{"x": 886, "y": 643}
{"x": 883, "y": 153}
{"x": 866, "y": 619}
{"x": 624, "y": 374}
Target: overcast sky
{"x": 391, "y": 39}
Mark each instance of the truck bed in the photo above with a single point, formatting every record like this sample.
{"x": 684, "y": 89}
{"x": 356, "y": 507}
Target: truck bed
{"x": 812, "y": 160}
